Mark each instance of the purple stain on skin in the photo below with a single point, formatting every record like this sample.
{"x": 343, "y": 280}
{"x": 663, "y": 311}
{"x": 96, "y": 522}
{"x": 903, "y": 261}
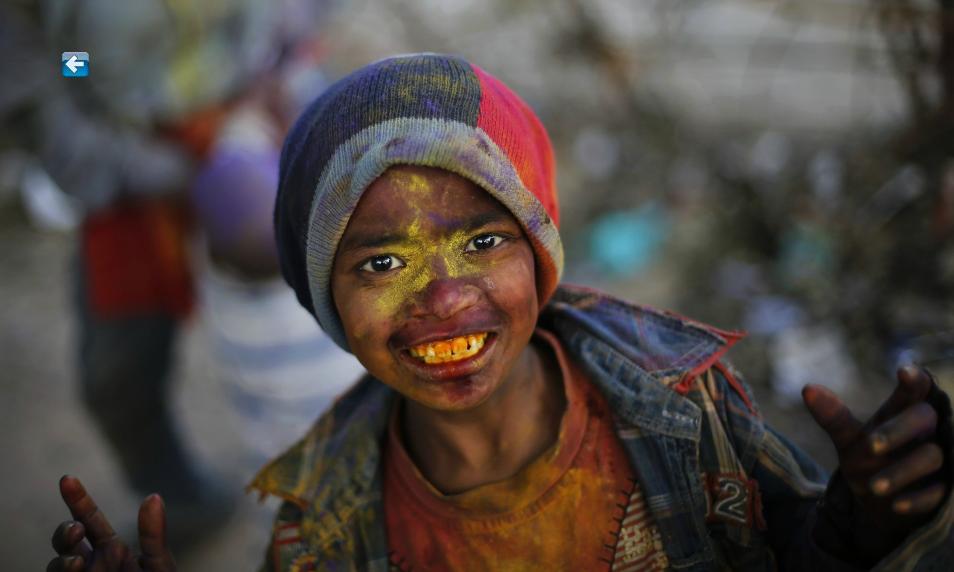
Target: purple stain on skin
{"x": 438, "y": 220}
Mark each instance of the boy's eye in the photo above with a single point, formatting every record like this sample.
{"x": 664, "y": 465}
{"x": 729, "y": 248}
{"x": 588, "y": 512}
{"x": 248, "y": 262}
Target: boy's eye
{"x": 484, "y": 242}
{"x": 382, "y": 263}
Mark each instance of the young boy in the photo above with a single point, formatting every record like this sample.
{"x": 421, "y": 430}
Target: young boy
{"x": 508, "y": 423}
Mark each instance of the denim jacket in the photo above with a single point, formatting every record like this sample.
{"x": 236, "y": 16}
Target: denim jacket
{"x": 726, "y": 491}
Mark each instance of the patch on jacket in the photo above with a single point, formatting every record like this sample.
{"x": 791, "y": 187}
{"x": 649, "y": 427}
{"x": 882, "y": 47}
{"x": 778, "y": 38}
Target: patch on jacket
{"x": 733, "y": 498}
{"x": 287, "y": 547}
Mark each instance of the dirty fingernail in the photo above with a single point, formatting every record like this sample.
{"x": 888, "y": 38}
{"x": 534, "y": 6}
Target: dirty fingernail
{"x": 880, "y": 486}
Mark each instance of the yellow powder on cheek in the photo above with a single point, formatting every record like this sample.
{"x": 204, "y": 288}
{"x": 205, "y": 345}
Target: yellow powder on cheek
{"x": 432, "y": 262}
{"x": 426, "y": 258}
{"x": 456, "y": 262}
{"x": 411, "y": 280}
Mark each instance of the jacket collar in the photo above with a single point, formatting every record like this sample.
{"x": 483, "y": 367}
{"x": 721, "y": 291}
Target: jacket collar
{"x": 643, "y": 359}
{"x": 333, "y": 470}
{"x": 638, "y": 356}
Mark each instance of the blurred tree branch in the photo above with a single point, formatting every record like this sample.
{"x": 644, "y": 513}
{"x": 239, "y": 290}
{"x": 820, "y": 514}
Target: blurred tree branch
{"x": 922, "y": 52}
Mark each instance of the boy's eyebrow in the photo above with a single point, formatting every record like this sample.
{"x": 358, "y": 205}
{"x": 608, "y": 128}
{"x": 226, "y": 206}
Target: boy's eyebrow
{"x": 484, "y": 219}
{"x": 355, "y": 242}
{"x": 360, "y": 241}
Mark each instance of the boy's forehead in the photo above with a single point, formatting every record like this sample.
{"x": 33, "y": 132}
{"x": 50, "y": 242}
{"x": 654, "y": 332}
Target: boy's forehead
{"x": 425, "y": 196}
{"x": 413, "y": 182}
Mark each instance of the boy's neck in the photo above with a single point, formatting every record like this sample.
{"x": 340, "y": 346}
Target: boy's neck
{"x": 458, "y": 451}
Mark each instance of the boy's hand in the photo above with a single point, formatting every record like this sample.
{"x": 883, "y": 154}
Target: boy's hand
{"x": 90, "y": 544}
{"x": 892, "y": 463}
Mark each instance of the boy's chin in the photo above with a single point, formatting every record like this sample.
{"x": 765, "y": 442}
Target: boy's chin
{"x": 461, "y": 394}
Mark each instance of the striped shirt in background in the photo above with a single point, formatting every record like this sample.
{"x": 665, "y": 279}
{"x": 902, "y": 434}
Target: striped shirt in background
{"x": 278, "y": 369}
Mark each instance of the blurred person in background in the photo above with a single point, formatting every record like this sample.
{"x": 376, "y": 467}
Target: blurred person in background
{"x": 129, "y": 142}
{"x": 268, "y": 351}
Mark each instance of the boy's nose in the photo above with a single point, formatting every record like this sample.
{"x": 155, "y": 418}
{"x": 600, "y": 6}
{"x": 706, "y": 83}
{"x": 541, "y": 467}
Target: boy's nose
{"x": 445, "y": 297}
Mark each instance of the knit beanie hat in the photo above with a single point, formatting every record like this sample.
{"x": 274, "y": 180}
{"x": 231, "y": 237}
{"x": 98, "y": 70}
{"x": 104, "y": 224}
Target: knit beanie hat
{"x": 423, "y": 109}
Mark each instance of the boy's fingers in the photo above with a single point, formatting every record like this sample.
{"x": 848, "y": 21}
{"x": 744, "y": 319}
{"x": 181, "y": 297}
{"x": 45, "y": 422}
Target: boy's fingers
{"x": 152, "y": 535}
{"x": 116, "y": 558}
{"x": 915, "y": 380}
{"x": 924, "y": 461}
{"x": 66, "y": 564}
{"x": 832, "y": 415}
{"x": 920, "y": 502}
{"x": 913, "y": 386}
{"x": 917, "y": 421}
{"x": 153, "y": 564}
{"x": 83, "y": 509}
{"x": 66, "y": 536}
{"x": 68, "y": 539}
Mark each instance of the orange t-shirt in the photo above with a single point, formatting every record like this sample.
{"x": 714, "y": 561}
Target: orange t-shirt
{"x": 576, "y": 507}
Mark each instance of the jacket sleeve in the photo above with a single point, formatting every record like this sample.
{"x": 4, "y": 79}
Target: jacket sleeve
{"x": 807, "y": 513}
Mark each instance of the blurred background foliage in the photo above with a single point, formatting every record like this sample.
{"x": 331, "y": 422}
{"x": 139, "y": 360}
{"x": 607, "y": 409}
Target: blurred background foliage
{"x": 771, "y": 166}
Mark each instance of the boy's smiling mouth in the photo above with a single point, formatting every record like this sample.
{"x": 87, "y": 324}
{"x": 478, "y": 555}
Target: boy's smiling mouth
{"x": 449, "y": 350}
{"x": 448, "y": 355}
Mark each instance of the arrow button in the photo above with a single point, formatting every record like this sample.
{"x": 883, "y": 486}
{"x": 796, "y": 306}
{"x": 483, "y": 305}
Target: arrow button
{"x": 75, "y": 64}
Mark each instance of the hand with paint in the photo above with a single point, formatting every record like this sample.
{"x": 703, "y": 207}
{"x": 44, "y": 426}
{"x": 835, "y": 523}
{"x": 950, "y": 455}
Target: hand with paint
{"x": 890, "y": 465}
{"x": 90, "y": 544}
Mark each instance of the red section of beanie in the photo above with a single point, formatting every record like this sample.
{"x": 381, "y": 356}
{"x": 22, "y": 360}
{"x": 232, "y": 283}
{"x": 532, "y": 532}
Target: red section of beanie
{"x": 513, "y": 126}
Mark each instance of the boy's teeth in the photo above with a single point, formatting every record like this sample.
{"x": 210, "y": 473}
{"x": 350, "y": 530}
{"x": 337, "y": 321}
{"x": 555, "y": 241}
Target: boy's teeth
{"x": 453, "y": 349}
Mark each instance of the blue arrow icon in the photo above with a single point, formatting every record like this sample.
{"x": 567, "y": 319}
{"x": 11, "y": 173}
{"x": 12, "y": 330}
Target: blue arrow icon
{"x": 75, "y": 64}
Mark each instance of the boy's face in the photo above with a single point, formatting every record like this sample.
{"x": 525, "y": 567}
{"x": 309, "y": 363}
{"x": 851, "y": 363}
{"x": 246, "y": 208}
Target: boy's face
{"x": 434, "y": 282}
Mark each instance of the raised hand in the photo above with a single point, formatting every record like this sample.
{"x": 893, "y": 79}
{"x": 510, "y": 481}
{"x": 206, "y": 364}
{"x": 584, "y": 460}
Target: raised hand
{"x": 891, "y": 463}
{"x": 89, "y": 543}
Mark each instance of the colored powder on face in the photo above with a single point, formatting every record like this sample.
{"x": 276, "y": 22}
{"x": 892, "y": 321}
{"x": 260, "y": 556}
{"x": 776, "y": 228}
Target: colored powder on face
{"x": 427, "y": 256}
